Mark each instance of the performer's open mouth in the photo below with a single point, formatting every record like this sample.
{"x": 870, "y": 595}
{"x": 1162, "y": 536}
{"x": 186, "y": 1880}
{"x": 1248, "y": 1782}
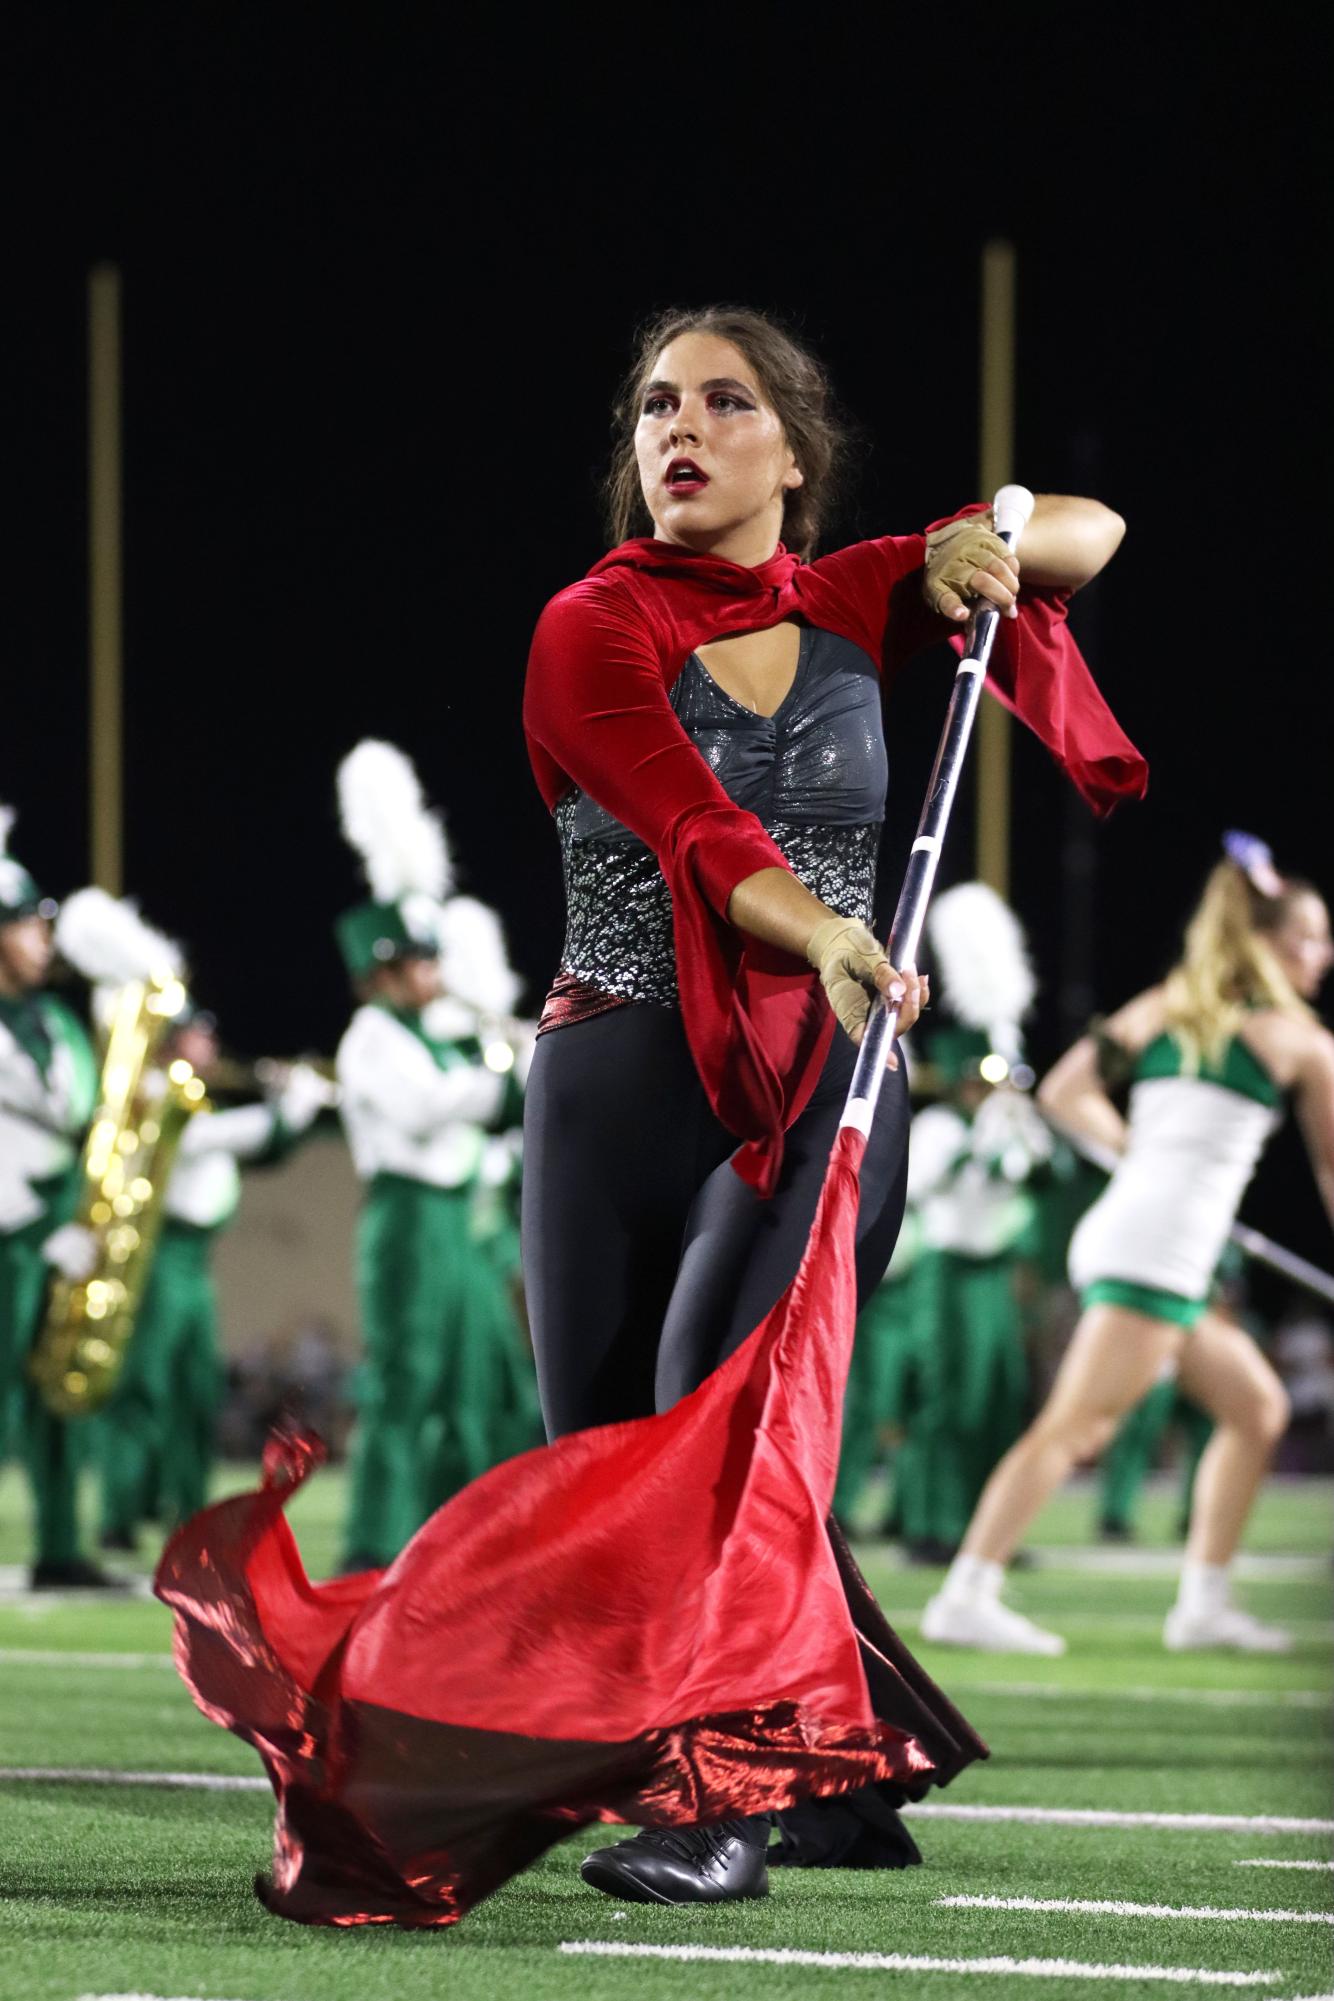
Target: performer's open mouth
{"x": 684, "y": 476}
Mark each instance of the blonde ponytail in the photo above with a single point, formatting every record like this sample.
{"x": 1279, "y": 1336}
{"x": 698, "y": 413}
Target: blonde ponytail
{"x": 1228, "y": 965}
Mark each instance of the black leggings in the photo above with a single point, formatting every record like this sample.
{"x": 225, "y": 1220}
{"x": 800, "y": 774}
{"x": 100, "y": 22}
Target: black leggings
{"x": 646, "y": 1259}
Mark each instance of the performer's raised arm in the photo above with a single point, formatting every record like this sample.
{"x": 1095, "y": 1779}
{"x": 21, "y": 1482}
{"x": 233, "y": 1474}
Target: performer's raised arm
{"x": 1068, "y": 540}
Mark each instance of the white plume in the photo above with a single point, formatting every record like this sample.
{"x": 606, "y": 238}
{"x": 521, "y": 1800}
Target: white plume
{"x": 12, "y": 873}
{"x": 106, "y": 940}
{"x": 401, "y": 842}
{"x": 981, "y": 959}
{"x": 474, "y": 963}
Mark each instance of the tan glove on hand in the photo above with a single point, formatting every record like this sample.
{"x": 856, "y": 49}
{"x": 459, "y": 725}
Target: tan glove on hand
{"x": 848, "y": 957}
{"x": 954, "y": 556}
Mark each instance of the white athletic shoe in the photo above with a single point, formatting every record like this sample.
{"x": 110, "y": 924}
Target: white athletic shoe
{"x": 1225, "y": 1626}
{"x": 952, "y": 1619}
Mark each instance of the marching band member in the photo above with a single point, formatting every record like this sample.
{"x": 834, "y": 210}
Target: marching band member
{"x": 975, "y": 1155}
{"x": 875, "y": 1403}
{"x": 419, "y": 1091}
{"x": 48, "y": 1089}
{"x": 157, "y": 1432}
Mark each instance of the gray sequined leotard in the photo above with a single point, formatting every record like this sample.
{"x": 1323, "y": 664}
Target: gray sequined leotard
{"x": 815, "y": 774}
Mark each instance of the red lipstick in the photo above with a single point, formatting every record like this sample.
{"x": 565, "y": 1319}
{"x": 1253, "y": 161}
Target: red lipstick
{"x": 683, "y": 476}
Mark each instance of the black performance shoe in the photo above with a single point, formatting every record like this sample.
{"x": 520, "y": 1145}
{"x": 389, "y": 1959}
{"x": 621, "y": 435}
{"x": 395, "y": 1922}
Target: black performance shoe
{"x": 680, "y": 1865}
{"x": 78, "y": 1574}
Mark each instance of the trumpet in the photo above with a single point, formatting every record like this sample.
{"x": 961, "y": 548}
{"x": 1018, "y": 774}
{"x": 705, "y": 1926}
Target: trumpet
{"x": 141, "y": 1114}
{"x": 267, "y": 1075}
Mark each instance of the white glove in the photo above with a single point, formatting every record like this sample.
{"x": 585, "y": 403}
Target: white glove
{"x": 18, "y": 1207}
{"x": 1010, "y": 1130}
{"x": 304, "y": 1096}
{"x": 73, "y": 1251}
{"x": 501, "y": 1157}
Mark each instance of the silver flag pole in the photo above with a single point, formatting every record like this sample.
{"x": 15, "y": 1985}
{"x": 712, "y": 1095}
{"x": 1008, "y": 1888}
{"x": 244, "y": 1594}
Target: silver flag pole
{"x": 1013, "y": 505}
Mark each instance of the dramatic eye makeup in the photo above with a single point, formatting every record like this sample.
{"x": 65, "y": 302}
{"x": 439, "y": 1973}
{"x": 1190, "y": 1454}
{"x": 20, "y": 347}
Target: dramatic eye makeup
{"x": 721, "y": 389}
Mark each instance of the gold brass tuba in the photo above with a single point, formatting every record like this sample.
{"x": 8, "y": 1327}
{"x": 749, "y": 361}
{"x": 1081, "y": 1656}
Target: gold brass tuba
{"x": 141, "y": 1114}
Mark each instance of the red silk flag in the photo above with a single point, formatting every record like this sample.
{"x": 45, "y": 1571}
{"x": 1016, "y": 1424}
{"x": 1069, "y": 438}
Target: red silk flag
{"x": 652, "y": 1622}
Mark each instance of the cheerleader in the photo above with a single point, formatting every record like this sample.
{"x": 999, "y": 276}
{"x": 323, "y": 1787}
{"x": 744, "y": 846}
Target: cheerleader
{"x": 1212, "y": 1054}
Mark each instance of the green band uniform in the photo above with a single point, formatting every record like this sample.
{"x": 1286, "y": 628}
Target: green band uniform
{"x": 48, "y": 1089}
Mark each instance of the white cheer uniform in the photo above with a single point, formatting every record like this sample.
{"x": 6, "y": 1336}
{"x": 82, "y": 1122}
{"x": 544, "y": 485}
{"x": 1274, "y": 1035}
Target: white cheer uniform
{"x": 1192, "y": 1147}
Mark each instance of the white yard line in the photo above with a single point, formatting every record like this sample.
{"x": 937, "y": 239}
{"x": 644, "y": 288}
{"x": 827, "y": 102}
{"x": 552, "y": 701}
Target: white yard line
{"x": 1113, "y": 1907}
{"x": 1207, "y": 1698}
{"x": 83, "y": 1775}
{"x": 16, "y": 1590}
{"x": 1203, "y": 1823}
{"x": 1195, "y": 1823}
{"x": 55, "y": 1657}
{"x": 915, "y": 1962}
{"x": 1255, "y": 1568}
{"x": 1269, "y": 1862}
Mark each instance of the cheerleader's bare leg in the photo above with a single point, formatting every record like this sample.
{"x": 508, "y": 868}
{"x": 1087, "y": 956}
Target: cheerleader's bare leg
{"x": 1223, "y": 1371}
{"x": 1114, "y": 1358}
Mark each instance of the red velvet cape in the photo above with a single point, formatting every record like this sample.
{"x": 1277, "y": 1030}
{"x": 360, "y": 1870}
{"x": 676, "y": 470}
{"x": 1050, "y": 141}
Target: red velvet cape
{"x": 604, "y": 658}
{"x": 647, "y": 1622}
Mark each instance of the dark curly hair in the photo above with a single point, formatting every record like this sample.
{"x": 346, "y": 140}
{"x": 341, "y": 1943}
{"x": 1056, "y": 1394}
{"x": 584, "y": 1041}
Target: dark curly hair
{"x": 794, "y": 383}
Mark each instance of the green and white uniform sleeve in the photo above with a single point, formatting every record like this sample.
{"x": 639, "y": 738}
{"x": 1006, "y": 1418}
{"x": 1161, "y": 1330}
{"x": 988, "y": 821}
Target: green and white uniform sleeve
{"x": 48, "y": 1089}
{"x": 978, "y": 1207}
{"x": 205, "y": 1184}
{"x": 413, "y": 1106}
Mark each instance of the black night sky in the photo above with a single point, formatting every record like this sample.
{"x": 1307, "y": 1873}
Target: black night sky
{"x": 381, "y": 272}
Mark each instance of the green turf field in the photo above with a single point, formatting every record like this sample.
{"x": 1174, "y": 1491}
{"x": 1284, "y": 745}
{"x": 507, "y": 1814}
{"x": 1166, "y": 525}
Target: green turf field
{"x": 144, "y": 1890}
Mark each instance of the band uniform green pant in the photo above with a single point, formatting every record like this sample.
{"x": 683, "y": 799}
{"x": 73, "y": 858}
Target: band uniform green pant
{"x": 156, "y": 1435}
{"x": 434, "y": 1320}
{"x": 875, "y": 1404}
{"x": 50, "y": 1448}
{"x": 967, "y": 1393}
